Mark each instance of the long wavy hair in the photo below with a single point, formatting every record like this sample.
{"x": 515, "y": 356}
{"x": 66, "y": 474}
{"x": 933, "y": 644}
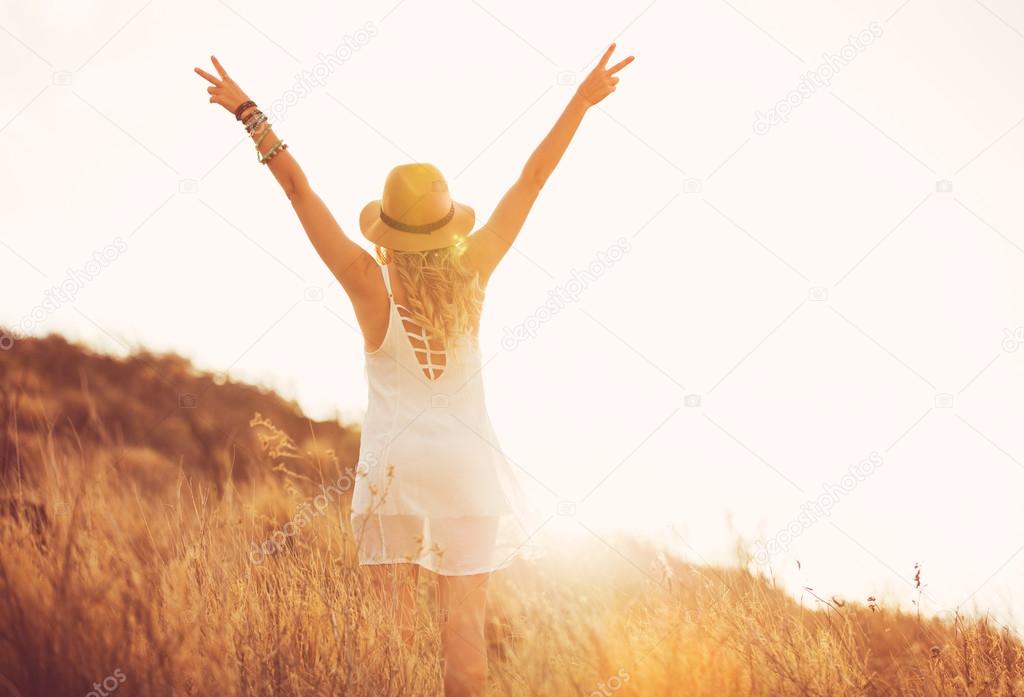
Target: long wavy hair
{"x": 442, "y": 292}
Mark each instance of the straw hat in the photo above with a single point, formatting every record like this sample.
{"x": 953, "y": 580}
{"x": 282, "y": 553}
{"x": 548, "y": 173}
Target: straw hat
{"x": 416, "y": 213}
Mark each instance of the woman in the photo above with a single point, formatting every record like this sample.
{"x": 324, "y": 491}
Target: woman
{"x": 432, "y": 489}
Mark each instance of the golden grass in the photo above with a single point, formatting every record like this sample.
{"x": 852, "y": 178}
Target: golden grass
{"x": 165, "y": 590}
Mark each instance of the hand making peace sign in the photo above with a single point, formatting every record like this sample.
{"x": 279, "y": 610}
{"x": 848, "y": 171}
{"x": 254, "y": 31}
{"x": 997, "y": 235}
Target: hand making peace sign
{"x": 601, "y": 81}
{"x": 224, "y": 91}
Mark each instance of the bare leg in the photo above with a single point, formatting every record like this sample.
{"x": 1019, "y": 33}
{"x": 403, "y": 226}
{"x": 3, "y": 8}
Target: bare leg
{"x": 395, "y": 586}
{"x": 463, "y": 601}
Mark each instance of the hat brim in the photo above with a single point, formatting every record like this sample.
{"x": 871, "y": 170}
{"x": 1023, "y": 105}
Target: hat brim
{"x": 380, "y": 233}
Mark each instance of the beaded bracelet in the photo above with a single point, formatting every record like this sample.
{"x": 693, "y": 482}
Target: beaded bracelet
{"x": 254, "y": 122}
{"x": 277, "y": 147}
{"x": 273, "y": 153}
{"x": 242, "y": 107}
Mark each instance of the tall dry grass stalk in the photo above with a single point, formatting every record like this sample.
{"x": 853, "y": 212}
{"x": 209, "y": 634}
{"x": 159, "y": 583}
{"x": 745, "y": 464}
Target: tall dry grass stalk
{"x": 99, "y": 579}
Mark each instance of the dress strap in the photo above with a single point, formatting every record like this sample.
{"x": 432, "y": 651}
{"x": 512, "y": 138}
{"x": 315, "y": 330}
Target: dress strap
{"x": 387, "y": 279}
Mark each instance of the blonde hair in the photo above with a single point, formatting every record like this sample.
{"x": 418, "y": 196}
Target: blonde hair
{"x": 443, "y": 294}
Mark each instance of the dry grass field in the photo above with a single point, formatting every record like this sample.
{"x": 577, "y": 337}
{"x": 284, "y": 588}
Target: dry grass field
{"x": 164, "y": 532}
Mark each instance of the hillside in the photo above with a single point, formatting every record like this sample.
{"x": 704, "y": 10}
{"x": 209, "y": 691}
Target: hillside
{"x": 154, "y": 546}
{"x": 150, "y": 417}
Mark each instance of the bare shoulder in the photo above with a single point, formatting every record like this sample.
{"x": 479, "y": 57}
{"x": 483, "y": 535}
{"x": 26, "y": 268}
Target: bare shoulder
{"x": 369, "y": 298}
{"x": 364, "y": 285}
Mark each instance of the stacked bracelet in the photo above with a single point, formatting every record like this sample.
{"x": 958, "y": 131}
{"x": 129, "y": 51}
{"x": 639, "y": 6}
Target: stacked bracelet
{"x": 254, "y": 121}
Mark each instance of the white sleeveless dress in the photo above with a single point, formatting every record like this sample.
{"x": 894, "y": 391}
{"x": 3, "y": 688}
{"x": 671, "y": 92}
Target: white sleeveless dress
{"x": 432, "y": 485}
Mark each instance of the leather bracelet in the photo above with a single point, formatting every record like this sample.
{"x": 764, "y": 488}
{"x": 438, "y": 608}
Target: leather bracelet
{"x": 242, "y": 107}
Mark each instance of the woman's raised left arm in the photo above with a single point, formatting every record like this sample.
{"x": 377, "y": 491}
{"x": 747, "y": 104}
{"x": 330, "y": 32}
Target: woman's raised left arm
{"x": 354, "y": 268}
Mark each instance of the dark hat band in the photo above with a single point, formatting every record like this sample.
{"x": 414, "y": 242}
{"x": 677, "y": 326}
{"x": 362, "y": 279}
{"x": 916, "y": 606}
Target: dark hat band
{"x": 424, "y": 229}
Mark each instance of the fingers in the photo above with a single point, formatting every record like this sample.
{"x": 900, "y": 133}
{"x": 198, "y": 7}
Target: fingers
{"x": 620, "y": 65}
{"x": 607, "y": 54}
{"x": 220, "y": 68}
{"x": 209, "y": 77}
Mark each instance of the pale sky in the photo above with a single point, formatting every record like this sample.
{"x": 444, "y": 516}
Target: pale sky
{"x": 814, "y": 284}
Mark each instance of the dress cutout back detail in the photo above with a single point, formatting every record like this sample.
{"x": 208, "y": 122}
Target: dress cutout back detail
{"x": 434, "y": 359}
